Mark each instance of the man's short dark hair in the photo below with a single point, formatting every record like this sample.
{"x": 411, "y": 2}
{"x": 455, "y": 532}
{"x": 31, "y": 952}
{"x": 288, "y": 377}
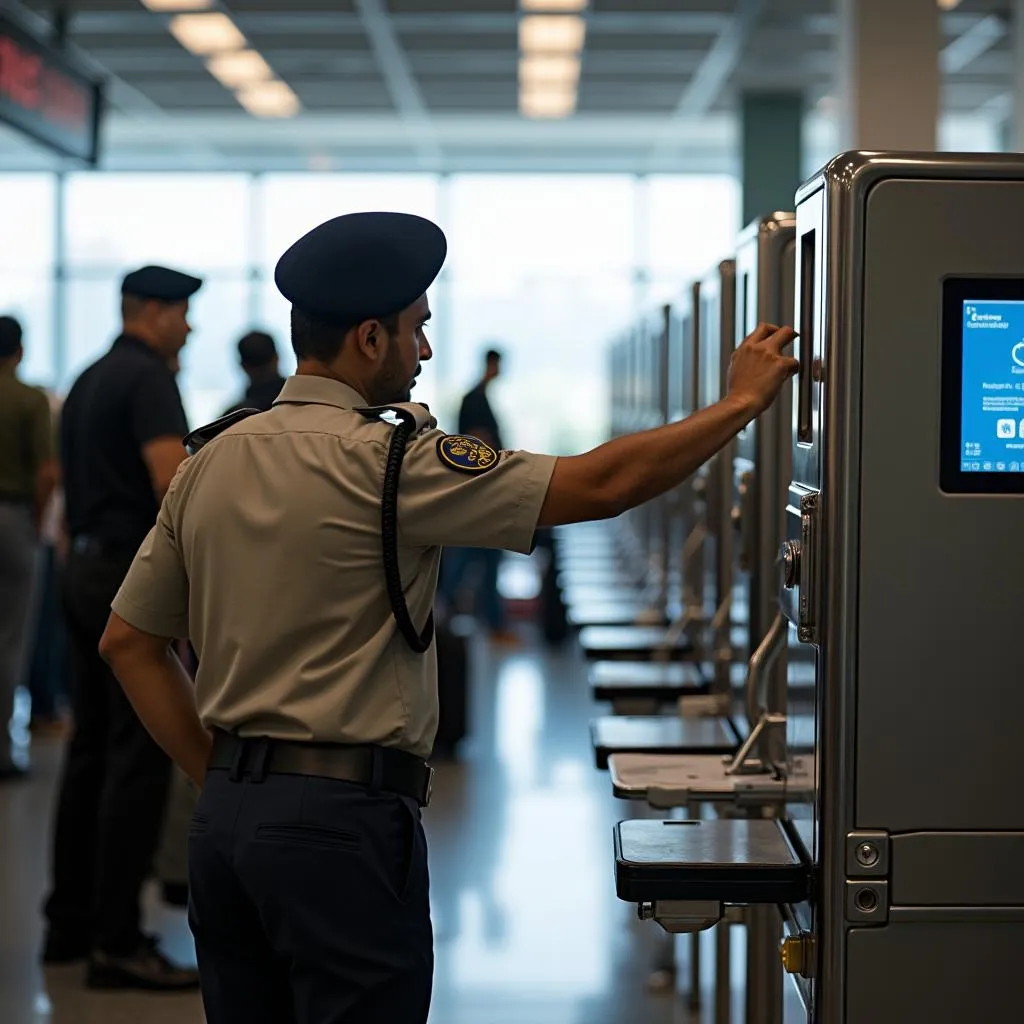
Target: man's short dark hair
{"x": 256, "y": 350}
{"x": 10, "y": 337}
{"x": 314, "y": 339}
{"x": 493, "y": 356}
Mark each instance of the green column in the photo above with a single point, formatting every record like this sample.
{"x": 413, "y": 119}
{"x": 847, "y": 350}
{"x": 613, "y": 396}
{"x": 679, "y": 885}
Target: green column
{"x": 771, "y": 151}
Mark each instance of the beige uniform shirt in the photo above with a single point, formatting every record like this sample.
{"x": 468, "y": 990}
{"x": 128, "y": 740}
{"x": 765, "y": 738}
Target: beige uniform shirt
{"x": 267, "y": 554}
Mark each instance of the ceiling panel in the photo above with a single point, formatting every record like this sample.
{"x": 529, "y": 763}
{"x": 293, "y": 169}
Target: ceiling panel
{"x": 454, "y": 65}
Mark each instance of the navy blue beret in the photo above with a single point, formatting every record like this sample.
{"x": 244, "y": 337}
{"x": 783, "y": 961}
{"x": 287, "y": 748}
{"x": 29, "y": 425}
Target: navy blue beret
{"x": 160, "y": 283}
{"x": 361, "y": 266}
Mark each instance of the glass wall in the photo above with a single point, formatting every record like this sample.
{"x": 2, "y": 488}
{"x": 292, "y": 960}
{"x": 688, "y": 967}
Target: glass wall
{"x": 544, "y": 267}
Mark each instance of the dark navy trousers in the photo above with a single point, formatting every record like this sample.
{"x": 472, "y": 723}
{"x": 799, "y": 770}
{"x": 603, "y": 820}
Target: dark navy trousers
{"x": 309, "y": 903}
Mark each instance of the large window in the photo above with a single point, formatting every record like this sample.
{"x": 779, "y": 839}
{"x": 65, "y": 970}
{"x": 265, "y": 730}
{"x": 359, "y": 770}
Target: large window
{"x": 201, "y": 224}
{"x": 547, "y": 268}
{"x": 27, "y": 212}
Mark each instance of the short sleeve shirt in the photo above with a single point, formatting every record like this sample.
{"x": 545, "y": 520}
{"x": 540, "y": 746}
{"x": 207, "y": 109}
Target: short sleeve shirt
{"x": 26, "y": 437}
{"x": 118, "y": 405}
{"x": 267, "y": 553}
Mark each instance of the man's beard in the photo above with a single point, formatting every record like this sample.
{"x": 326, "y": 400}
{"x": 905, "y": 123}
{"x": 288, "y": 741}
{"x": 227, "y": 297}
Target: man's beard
{"x": 390, "y": 386}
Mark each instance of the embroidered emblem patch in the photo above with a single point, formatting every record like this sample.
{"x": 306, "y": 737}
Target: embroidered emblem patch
{"x": 466, "y": 454}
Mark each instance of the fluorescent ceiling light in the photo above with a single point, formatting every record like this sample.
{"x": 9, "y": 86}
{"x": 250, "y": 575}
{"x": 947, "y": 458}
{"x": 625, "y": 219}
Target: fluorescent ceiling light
{"x": 269, "y": 99}
{"x": 555, "y": 32}
{"x": 204, "y": 34}
{"x": 948, "y": 5}
{"x": 554, "y": 5}
{"x": 178, "y": 5}
{"x": 540, "y": 68}
{"x": 547, "y": 102}
{"x": 241, "y": 67}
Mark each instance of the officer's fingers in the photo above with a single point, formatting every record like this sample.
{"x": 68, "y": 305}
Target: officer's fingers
{"x": 781, "y": 338}
{"x": 791, "y": 366}
{"x": 760, "y": 333}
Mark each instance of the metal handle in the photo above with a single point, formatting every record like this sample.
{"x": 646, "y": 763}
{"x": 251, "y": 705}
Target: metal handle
{"x": 759, "y": 667}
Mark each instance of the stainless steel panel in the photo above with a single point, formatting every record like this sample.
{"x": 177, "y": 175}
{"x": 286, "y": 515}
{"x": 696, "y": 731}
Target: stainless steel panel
{"x": 915, "y": 972}
{"x": 935, "y": 569}
{"x": 968, "y": 869}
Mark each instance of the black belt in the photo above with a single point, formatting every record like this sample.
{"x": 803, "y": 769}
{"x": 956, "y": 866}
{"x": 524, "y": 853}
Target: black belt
{"x": 384, "y": 768}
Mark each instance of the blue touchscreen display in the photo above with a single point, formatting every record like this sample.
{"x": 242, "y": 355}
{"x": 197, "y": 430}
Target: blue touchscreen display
{"x": 992, "y": 416}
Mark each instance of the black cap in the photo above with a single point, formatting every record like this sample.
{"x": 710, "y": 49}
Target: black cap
{"x": 161, "y": 284}
{"x": 257, "y": 349}
{"x": 361, "y": 266}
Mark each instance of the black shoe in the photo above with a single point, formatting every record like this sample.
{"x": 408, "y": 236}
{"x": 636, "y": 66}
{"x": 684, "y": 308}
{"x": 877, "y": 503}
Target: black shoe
{"x": 64, "y": 948}
{"x": 146, "y": 968}
{"x": 12, "y": 773}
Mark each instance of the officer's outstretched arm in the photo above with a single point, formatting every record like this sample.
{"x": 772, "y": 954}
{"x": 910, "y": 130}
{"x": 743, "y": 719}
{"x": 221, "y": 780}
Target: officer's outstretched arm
{"x": 633, "y": 469}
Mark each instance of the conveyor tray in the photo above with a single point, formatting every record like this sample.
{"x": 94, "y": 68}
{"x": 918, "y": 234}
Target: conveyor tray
{"x": 660, "y": 734}
{"x": 645, "y": 680}
{"x": 632, "y": 643}
{"x": 737, "y": 861}
{"x": 608, "y": 580}
{"x": 625, "y": 612}
{"x": 674, "y": 780}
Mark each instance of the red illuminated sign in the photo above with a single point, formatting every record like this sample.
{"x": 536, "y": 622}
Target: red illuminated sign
{"x": 44, "y": 95}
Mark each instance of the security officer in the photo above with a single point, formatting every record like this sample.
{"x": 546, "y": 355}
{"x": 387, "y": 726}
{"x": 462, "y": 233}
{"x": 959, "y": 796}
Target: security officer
{"x": 315, "y": 703}
{"x": 121, "y": 444}
{"x": 257, "y": 355}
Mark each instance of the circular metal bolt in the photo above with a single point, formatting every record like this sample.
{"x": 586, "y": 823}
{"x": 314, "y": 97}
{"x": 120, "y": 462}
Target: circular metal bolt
{"x": 790, "y": 563}
{"x": 867, "y": 855}
{"x": 866, "y": 900}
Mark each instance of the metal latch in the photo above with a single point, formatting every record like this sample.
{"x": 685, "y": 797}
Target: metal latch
{"x": 680, "y": 916}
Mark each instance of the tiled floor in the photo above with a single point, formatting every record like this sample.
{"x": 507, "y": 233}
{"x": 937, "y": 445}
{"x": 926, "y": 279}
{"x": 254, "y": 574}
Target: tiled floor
{"x": 528, "y": 927}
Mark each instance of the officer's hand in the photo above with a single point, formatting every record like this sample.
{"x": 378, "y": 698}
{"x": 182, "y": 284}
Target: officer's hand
{"x": 760, "y": 366}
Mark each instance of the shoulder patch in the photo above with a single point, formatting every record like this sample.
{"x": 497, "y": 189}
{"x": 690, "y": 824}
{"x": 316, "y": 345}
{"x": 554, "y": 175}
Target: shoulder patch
{"x": 466, "y": 454}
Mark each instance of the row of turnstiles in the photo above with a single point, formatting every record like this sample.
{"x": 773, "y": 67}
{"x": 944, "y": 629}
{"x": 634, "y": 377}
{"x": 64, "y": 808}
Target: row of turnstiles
{"x": 810, "y": 647}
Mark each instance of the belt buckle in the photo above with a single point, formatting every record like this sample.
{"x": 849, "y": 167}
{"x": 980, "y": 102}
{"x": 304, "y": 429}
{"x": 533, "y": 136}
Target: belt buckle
{"x": 429, "y": 787}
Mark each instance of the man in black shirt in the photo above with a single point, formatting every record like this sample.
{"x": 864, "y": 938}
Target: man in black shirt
{"x": 121, "y": 443}
{"x": 257, "y": 354}
{"x": 477, "y": 419}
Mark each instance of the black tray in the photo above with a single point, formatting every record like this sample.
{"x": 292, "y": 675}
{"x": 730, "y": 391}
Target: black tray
{"x": 623, "y": 612}
{"x": 734, "y": 861}
{"x": 660, "y": 734}
{"x": 633, "y": 643}
{"x": 645, "y": 680}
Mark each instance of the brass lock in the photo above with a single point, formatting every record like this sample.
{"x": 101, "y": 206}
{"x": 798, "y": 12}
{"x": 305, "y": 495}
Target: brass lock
{"x": 797, "y": 952}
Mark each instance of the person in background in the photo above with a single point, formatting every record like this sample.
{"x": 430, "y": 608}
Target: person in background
{"x": 477, "y": 419}
{"x": 121, "y": 444}
{"x": 49, "y": 668}
{"x": 28, "y": 476}
{"x": 257, "y": 354}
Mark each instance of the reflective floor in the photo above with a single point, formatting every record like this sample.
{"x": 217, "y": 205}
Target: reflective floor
{"x": 528, "y": 927}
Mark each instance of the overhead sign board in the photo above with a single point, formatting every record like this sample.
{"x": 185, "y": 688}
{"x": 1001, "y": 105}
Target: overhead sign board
{"x": 45, "y": 95}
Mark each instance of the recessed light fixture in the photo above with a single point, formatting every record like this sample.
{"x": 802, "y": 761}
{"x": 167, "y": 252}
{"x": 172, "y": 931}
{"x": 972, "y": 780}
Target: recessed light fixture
{"x": 547, "y": 102}
{"x": 553, "y": 6}
{"x": 269, "y": 99}
{"x": 177, "y": 6}
{"x": 560, "y": 33}
{"x": 205, "y": 34}
{"x": 539, "y": 68}
{"x": 238, "y": 68}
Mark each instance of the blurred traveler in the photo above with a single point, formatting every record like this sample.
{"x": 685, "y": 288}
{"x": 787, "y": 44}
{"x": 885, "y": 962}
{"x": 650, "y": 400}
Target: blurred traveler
{"x": 257, "y": 354}
{"x": 28, "y": 475}
{"x": 479, "y": 565}
{"x": 121, "y": 444}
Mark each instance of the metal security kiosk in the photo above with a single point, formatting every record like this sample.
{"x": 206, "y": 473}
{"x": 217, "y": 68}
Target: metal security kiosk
{"x": 715, "y": 334}
{"x": 911, "y": 316}
{"x": 603, "y": 592}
